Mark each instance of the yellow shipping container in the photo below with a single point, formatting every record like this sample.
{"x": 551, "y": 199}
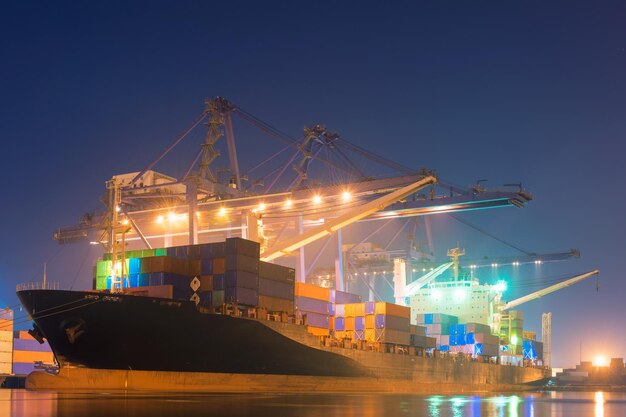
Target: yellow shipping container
{"x": 370, "y": 335}
{"x": 6, "y": 357}
{"x": 393, "y": 310}
{"x": 32, "y": 356}
{"x": 318, "y": 331}
{"x": 6, "y": 336}
{"x": 354, "y": 310}
{"x": 339, "y": 334}
{"x": 312, "y": 291}
{"x": 370, "y": 321}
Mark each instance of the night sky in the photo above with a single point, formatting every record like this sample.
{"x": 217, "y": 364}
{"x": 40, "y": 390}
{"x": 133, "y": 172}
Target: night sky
{"x": 506, "y": 91}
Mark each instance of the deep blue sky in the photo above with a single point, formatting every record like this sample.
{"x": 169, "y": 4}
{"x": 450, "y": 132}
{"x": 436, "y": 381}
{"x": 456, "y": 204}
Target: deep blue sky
{"x": 509, "y": 91}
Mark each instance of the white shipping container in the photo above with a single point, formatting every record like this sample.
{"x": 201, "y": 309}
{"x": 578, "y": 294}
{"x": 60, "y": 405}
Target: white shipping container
{"x": 444, "y": 339}
{"x": 433, "y": 329}
{"x": 6, "y": 346}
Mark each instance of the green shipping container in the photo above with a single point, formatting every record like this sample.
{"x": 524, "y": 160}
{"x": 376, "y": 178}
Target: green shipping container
{"x": 103, "y": 268}
{"x": 101, "y": 283}
{"x": 160, "y": 252}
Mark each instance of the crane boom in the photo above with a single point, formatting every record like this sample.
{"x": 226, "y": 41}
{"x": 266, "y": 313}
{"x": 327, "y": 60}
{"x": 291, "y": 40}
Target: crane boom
{"x": 549, "y": 289}
{"x": 344, "y": 220}
{"x": 416, "y": 285}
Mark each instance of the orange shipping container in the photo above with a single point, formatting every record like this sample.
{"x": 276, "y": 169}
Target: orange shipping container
{"x": 194, "y": 268}
{"x": 393, "y": 310}
{"x": 24, "y": 335}
{"x": 349, "y": 324}
{"x": 31, "y": 356}
{"x": 6, "y": 336}
{"x": 206, "y": 283}
{"x": 370, "y": 321}
{"x": 219, "y": 266}
{"x": 6, "y": 325}
{"x": 318, "y": 331}
{"x": 312, "y": 291}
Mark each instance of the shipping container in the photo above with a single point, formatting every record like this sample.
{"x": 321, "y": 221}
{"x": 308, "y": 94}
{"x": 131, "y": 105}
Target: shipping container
{"x": 6, "y": 334}
{"x": 212, "y": 250}
{"x": 359, "y": 323}
{"x": 218, "y": 282}
{"x": 32, "y": 345}
{"x": 6, "y": 346}
{"x": 242, "y": 279}
{"x": 239, "y": 246}
{"x": 392, "y": 336}
{"x": 6, "y": 324}
{"x": 23, "y": 368}
{"x": 477, "y": 328}
{"x": 354, "y": 309}
{"x": 340, "y": 323}
{"x": 206, "y": 283}
{"x": 236, "y": 262}
{"x": 31, "y": 356}
{"x": 242, "y": 296}
{"x": 423, "y": 341}
{"x": 206, "y": 299}
{"x": 276, "y": 272}
{"x": 6, "y": 357}
{"x": 318, "y": 331}
{"x": 316, "y": 320}
{"x": 219, "y": 265}
{"x": 305, "y": 304}
{"x": 393, "y": 310}
{"x": 384, "y": 321}
{"x": 417, "y": 330}
{"x": 218, "y": 298}
{"x": 342, "y": 297}
{"x": 273, "y": 304}
{"x": 349, "y": 324}
{"x": 312, "y": 291}
{"x": 276, "y": 289}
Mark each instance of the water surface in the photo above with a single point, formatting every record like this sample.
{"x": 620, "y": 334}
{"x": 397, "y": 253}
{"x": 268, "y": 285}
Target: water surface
{"x": 21, "y": 403}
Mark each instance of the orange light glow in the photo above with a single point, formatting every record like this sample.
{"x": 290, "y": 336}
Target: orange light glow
{"x": 600, "y": 360}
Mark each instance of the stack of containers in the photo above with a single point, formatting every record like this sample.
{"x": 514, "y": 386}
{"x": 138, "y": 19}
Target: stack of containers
{"x": 242, "y": 272}
{"x": 313, "y": 303}
{"x": 437, "y": 326}
{"x": 392, "y": 323}
{"x": 6, "y": 341}
{"x": 212, "y": 274}
{"x": 276, "y": 287}
{"x": 102, "y": 270}
{"x": 472, "y": 339}
{"x": 27, "y": 351}
{"x": 419, "y": 338}
{"x": 354, "y": 320}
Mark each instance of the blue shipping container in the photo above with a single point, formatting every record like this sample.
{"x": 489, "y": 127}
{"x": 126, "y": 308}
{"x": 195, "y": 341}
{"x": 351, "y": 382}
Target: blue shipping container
{"x": 317, "y": 320}
{"x": 340, "y": 323}
{"x": 32, "y": 345}
{"x": 359, "y": 323}
{"x": 23, "y": 368}
{"x": 444, "y": 348}
{"x": 206, "y": 266}
{"x": 469, "y": 339}
{"x": 428, "y": 318}
{"x": 478, "y": 349}
{"x": 305, "y": 304}
{"x": 276, "y": 289}
{"x": 370, "y": 307}
{"x": 218, "y": 282}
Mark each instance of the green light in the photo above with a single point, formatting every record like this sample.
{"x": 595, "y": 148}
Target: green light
{"x": 514, "y": 340}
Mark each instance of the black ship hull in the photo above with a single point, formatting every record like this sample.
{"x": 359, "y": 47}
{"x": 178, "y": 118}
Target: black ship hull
{"x": 125, "y": 332}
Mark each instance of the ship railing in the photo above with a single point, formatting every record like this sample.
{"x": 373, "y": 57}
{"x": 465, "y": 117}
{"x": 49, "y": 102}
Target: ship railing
{"x": 37, "y": 286}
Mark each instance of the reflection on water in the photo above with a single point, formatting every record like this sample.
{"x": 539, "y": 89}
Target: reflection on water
{"x": 20, "y": 403}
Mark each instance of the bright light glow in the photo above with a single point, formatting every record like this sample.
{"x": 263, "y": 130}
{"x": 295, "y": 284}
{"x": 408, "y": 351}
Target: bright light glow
{"x": 118, "y": 209}
{"x": 600, "y": 360}
{"x": 346, "y": 196}
{"x": 159, "y": 219}
{"x": 599, "y": 399}
{"x": 261, "y": 206}
{"x": 500, "y": 286}
{"x": 413, "y": 269}
{"x": 221, "y": 212}
{"x": 473, "y": 266}
{"x": 197, "y": 214}
{"x": 436, "y": 294}
{"x": 459, "y": 294}
{"x": 94, "y": 243}
{"x": 537, "y": 262}
{"x": 423, "y": 269}
{"x": 494, "y": 265}
{"x": 125, "y": 222}
{"x": 514, "y": 340}
{"x": 515, "y": 263}
{"x": 172, "y": 217}
{"x": 288, "y": 203}
{"x": 317, "y": 199}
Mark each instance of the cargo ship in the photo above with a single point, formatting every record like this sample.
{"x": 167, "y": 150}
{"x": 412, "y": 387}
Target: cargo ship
{"x": 214, "y": 318}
